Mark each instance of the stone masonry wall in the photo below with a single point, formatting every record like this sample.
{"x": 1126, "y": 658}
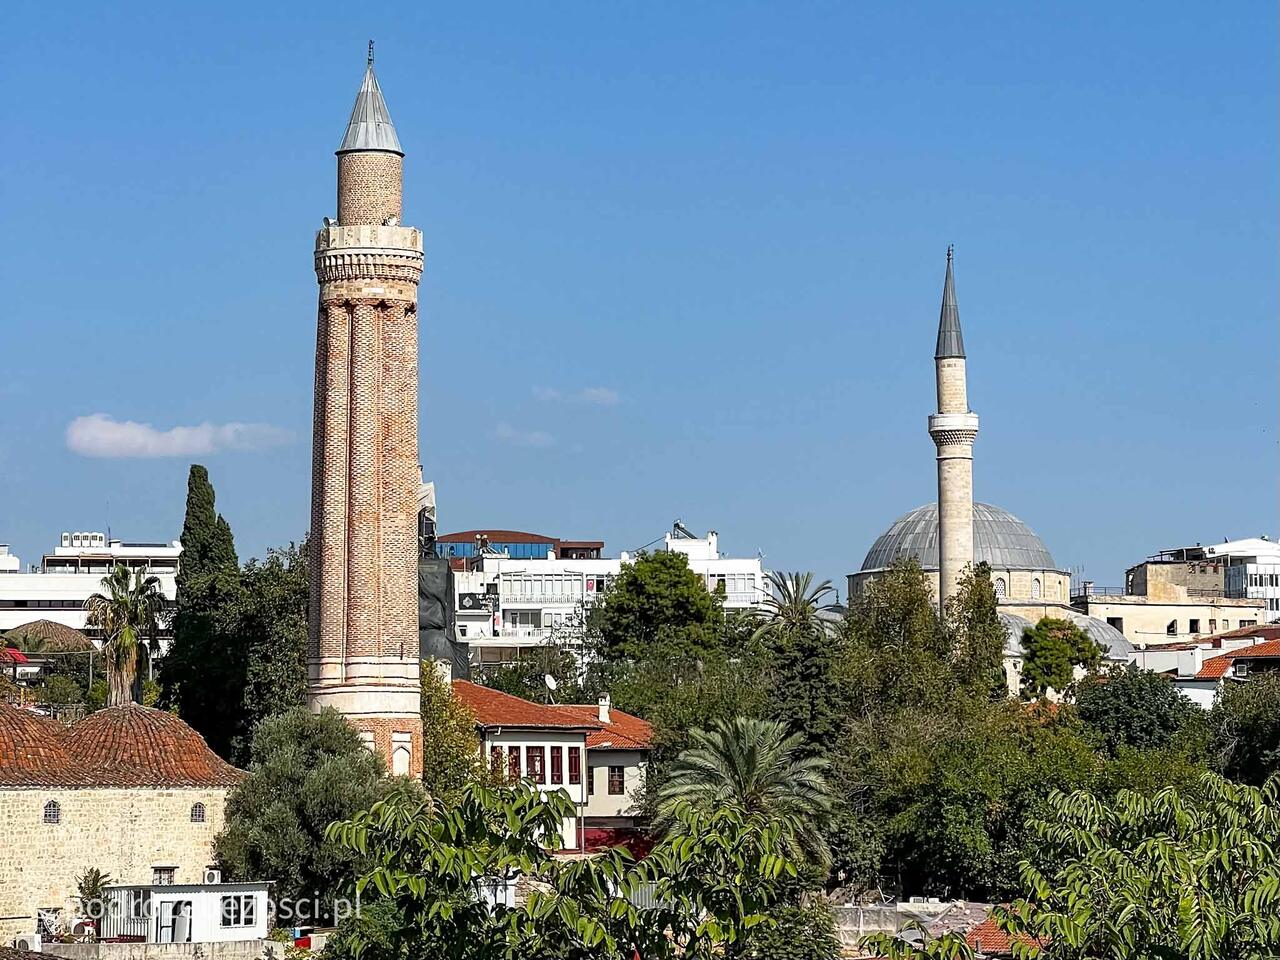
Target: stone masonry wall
{"x": 123, "y": 833}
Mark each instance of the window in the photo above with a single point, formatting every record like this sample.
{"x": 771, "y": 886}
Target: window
{"x": 513, "y": 763}
{"x": 575, "y": 764}
{"x": 163, "y": 876}
{"x": 1000, "y": 587}
{"x": 1117, "y": 622}
{"x": 1213, "y": 626}
{"x": 1226, "y": 624}
{"x": 617, "y": 781}
{"x": 462, "y": 629}
{"x": 591, "y": 781}
{"x": 1248, "y": 623}
{"x": 52, "y": 812}
{"x": 139, "y": 904}
{"x": 1241, "y": 668}
{"x": 1035, "y": 588}
{"x": 557, "y": 764}
{"x": 495, "y": 761}
{"x": 1193, "y": 626}
{"x": 238, "y": 910}
{"x": 197, "y": 813}
{"x": 535, "y": 761}
{"x": 1171, "y": 629}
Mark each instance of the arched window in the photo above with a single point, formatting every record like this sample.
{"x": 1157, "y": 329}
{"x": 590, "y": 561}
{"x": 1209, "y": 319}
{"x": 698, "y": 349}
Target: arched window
{"x": 197, "y": 813}
{"x": 1000, "y": 587}
{"x": 1035, "y": 588}
{"x": 52, "y": 812}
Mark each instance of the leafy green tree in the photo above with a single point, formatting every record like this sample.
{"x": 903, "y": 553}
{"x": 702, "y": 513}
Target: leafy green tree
{"x": 1134, "y": 708}
{"x": 1165, "y": 876}
{"x": 306, "y": 771}
{"x": 95, "y": 697}
{"x": 128, "y": 613}
{"x": 657, "y": 607}
{"x": 899, "y": 655}
{"x": 977, "y": 637}
{"x": 754, "y": 767}
{"x": 1054, "y": 648}
{"x": 450, "y": 746}
{"x": 803, "y": 932}
{"x": 803, "y": 646}
{"x": 527, "y": 677}
{"x": 60, "y": 691}
{"x": 1246, "y": 728}
{"x": 711, "y": 888}
{"x": 266, "y": 617}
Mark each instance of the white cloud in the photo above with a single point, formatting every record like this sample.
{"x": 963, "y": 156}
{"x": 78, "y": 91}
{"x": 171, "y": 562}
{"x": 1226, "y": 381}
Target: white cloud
{"x": 523, "y": 438}
{"x": 99, "y": 435}
{"x": 600, "y": 396}
{"x": 595, "y": 396}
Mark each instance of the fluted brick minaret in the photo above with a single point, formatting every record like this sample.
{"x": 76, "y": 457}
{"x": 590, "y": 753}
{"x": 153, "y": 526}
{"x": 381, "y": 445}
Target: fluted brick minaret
{"x": 953, "y": 429}
{"x": 363, "y": 655}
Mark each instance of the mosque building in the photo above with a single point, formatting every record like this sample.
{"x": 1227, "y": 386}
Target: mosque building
{"x": 954, "y": 532}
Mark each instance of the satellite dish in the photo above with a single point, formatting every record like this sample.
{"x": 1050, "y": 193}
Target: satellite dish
{"x": 550, "y": 681}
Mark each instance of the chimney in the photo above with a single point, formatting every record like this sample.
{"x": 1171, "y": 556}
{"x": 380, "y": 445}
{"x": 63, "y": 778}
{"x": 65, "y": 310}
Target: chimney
{"x": 604, "y": 708}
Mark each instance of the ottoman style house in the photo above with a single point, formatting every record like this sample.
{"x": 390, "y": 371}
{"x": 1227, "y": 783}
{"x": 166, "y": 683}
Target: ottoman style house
{"x": 364, "y": 647}
{"x": 131, "y": 791}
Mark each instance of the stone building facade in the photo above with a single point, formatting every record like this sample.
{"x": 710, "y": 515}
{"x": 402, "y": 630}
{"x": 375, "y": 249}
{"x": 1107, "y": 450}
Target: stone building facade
{"x": 363, "y": 654}
{"x": 131, "y": 791}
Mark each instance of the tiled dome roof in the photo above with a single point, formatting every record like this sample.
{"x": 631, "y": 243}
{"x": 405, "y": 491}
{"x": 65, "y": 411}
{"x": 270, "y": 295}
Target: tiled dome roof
{"x": 57, "y": 637}
{"x": 32, "y": 753}
{"x": 136, "y": 746}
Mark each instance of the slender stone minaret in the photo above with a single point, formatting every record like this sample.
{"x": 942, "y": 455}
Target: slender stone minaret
{"x": 953, "y": 429}
{"x": 363, "y": 655}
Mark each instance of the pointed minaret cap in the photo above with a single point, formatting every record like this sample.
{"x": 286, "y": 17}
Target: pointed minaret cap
{"x": 950, "y": 339}
{"x": 370, "y": 126}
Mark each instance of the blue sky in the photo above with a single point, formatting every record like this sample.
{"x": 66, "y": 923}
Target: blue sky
{"x": 683, "y": 260}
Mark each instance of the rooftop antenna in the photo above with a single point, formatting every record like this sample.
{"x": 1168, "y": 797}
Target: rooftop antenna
{"x": 371, "y": 53}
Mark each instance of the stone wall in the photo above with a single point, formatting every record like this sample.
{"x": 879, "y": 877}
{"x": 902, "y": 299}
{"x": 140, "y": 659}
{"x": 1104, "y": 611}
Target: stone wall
{"x": 226, "y": 950}
{"x": 124, "y": 833}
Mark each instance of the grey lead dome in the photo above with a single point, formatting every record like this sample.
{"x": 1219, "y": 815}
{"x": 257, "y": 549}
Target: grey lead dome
{"x": 999, "y": 538}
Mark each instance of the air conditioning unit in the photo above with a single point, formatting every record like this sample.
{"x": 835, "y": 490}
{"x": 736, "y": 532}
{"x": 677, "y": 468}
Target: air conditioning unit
{"x": 31, "y": 943}
{"x": 212, "y": 875}
{"x": 83, "y": 928}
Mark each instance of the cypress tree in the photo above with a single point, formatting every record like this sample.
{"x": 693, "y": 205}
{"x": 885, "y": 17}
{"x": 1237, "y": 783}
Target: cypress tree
{"x": 201, "y": 675}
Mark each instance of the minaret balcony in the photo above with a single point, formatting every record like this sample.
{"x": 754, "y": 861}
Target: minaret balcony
{"x": 953, "y": 428}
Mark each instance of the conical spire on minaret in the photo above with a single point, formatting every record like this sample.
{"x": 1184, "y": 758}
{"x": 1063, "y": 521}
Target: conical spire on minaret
{"x": 370, "y": 126}
{"x": 950, "y": 339}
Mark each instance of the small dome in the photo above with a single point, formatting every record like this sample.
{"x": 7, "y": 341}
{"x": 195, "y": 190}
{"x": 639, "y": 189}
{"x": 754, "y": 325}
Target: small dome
{"x": 1116, "y": 644}
{"x": 51, "y": 636}
{"x": 999, "y": 538}
{"x": 136, "y": 746}
{"x": 32, "y": 753}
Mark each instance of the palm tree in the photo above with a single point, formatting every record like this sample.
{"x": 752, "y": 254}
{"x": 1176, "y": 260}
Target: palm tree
{"x": 128, "y": 613}
{"x": 795, "y": 606}
{"x": 754, "y": 767}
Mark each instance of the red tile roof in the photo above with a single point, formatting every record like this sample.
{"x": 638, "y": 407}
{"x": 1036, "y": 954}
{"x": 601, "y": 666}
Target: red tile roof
{"x": 988, "y": 940}
{"x": 32, "y": 753}
{"x": 132, "y": 746}
{"x": 55, "y": 637}
{"x": 137, "y": 746}
{"x": 11, "y": 656}
{"x": 622, "y": 732}
{"x": 493, "y": 708}
{"x": 1220, "y": 665}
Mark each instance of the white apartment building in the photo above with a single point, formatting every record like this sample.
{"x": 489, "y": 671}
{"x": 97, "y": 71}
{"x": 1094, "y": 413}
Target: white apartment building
{"x": 504, "y": 606}
{"x": 72, "y": 572}
{"x": 1253, "y": 571}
